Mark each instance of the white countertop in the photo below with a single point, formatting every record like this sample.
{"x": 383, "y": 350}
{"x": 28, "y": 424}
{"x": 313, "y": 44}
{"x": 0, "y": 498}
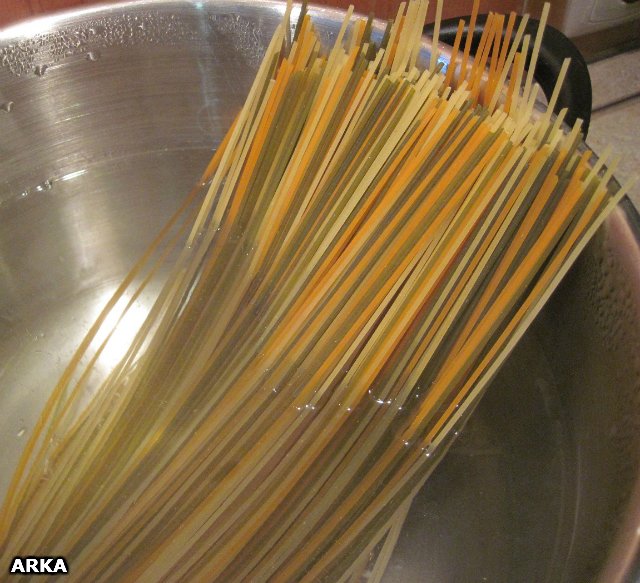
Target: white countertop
{"x": 616, "y": 113}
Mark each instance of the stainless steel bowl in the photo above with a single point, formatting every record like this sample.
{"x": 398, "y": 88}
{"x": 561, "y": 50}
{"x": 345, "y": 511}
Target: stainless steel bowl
{"x": 108, "y": 116}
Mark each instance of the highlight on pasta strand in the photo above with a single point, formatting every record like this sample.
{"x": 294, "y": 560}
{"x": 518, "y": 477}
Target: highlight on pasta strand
{"x": 368, "y": 243}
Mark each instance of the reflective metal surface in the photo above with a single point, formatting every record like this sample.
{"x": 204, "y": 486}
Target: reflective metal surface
{"x": 107, "y": 118}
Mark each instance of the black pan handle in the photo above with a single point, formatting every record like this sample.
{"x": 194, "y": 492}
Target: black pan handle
{"x": 575, "y": 93}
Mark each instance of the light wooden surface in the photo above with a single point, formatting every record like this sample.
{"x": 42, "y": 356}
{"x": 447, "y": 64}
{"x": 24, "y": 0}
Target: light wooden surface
{"x": 12, "y": 11}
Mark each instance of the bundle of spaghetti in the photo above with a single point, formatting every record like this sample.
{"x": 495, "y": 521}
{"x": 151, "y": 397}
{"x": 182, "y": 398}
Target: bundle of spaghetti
{"x": 366, "y": 246}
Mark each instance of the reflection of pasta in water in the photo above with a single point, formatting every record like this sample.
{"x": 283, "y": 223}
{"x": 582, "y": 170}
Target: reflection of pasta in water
{"x": 369, "y": 242}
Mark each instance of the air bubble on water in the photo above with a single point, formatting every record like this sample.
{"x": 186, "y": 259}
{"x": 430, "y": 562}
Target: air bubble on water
{"x": 7, "y": 106}
{"x": 46, "y": 470}
{"x": 46, "y": 185}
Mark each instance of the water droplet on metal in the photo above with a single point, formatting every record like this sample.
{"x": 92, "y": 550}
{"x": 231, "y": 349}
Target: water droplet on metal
{"x": 93, "y": 55}
{"x": 21, "y": 432}
{"x": 7, "y": 106}
{"x": 40, "y": 70}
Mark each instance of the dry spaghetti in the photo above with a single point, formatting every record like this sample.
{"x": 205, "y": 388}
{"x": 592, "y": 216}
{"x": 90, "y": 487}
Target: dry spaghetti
{"x": 370, "y": 241}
